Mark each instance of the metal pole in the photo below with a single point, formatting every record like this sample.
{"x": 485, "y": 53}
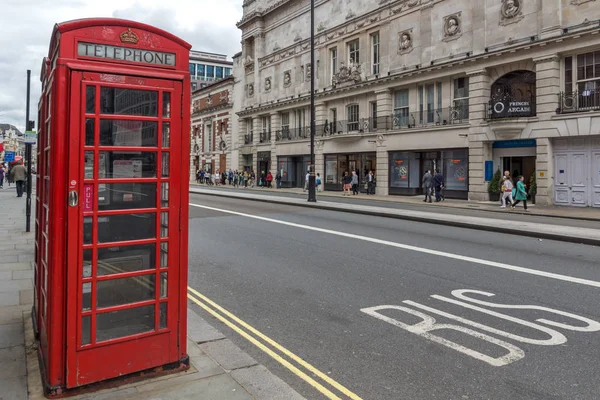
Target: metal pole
{"x": 28, "y": 160}
{"x": 312, "y": 195}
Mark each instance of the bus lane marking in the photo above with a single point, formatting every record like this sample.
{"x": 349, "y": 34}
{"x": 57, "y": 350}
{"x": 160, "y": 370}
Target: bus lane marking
{"x": 429, "y": 324}
{"x": 488, "y": 263}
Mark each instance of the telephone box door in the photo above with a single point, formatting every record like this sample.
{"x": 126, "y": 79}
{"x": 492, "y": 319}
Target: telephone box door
{"x": 123, "y": 225}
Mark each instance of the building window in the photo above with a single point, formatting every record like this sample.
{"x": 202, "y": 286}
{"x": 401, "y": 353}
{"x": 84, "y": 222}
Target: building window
{"x": 265, "y": 135}
{"x": 401, "y": 109}
{"x": 375, "y": 53}
{"x": 588, "y": 71}
{"x": 353, "y": 52}
{"x": 421, "y": 105}
{"x": 249, "y": 131}
{"x": 210, "y": 72}
{"x": 208, "y": 137}
{"x": 429, "y": 88}
{"x": 200, "y": 71}
{"x": 219, "y": 72}
{"x": 568, "y": 74}
{"x": 461, "y": 97}
{"x": 227, "y": 72}
{"x": 300, "y": 122}
{"x": 582, "y": 82}
{"x": 285, "y": 125}
{"x": 352, "y": 113}
{"x": 373, "y": 110}
{"x": 193, "y": 70}
{"x": 333, "y": 57}
{"x": 438, "y": 88}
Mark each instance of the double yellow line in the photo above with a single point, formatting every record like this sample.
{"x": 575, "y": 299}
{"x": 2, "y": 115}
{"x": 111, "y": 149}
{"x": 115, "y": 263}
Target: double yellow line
{"x": 275, "y": 351}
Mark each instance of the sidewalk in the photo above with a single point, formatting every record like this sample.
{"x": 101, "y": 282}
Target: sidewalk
{"x": 219, "y": 369}
{"x": 582, "y": 213}
{"x": 523, "y": 227}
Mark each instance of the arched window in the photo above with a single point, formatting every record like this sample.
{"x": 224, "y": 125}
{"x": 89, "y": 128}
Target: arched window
{"x": 513, "y": 95}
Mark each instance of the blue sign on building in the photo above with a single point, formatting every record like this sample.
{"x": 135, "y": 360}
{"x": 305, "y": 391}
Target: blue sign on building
{"x": 9, "y": 156}
{"x": 489, "y": 170}
{"x": 511, "y": 144}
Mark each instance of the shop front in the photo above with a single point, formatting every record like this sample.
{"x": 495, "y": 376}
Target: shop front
{"x": 516, "y": 156}
{"x": 408, "y": 167}
{"x": 264, "y": 163}
{"x": 337, "y": 164}
{"x": 293, "y": 170}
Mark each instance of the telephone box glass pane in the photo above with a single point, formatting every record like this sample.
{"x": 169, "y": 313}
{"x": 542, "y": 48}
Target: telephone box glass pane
{"x": 166, "y": 111}
{"x": 163, "y": 315}
{"x": 163, "y": 285}
{"x": 128, "y": 102}
{"x": 87, "y": 230}
{"x": 86, "y": 297}
{"x": 164, "y": 255}
{"x": 164, "y": 194}
{"x": 164, "y": 225}
{"x": 90, "y": 99}
{"x": 89, "y": 131}
{"x": 116, "y": 260}
{"x": 116, "y": 292}
{"x": 128, "y": 133}
{"x": 165, "y": 164}
{"x": 116, "y": 324}
{"x": 87, "y": 264}
{"x": 121, "y": 196}
{"x": 85, "y": 330}
{"x": 123, "y": 164}
{"x": 89, "y": 165}
{"x": 166, "y": 132}
{"x": 117, "y": 228}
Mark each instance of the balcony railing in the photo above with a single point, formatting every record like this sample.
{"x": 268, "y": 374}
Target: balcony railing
{"x": 511, "y": 107}
{"x": 248, "y": 139}
{"x": 426, "y": 118}
{"x": 265, "y": 136}
{"x": 292, "y": 133}
{"x": 580, "y": 101}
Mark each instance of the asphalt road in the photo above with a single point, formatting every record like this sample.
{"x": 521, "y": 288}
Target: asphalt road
{"x": 306, "y": 289}
{"x": 363, "y": 199}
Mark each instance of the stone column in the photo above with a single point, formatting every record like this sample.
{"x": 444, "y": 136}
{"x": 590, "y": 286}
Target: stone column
{"x": 275, "y": 126}
{"x": 543, "y": 171}
{"x": 256, "y": 128}
{"x": 479, "y": 146}
{"x": 383, "y": 167}
{"x": 385, "y": 106}
{"x": 242, "y": 126}
{"x": 547, "y": 87}
{"x": 320, "y": 115}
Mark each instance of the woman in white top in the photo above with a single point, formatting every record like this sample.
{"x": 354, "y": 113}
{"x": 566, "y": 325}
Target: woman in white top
{"x": 507, "y": 187}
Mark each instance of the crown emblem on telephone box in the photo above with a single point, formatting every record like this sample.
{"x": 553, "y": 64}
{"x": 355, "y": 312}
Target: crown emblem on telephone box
{"x": 129, "y": 36}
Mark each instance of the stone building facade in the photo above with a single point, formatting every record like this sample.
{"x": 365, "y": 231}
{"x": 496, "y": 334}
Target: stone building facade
{"x": 211, "y": 139}
{"x": 467, "y": 87}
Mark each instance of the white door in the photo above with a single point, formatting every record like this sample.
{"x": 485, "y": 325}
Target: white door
{"x": 595, "y": 186}
{"x": 562, "y": 195}
{"x": 578, "y": 176}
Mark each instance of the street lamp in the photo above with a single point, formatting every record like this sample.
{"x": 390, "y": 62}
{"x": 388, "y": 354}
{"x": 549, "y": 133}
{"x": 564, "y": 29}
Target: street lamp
{"x": 312, "y": 195}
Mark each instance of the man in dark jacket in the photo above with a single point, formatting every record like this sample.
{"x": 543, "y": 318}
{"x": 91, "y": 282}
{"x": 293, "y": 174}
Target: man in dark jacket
{"x": 427, "y": 183}
{"x": 18, "y": 173}
{"x": 438, "y": 184}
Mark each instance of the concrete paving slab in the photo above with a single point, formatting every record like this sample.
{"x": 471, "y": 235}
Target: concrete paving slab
{"x": 13, "y": 388}
{"x": 11, "y": 315}
{"x": 23, "y": 274}
{"x": 14, "y": 266}
{"x": 9, "y": 299}
{"x": 263, "y": 385}
{"x": 14, "y": 285}
{"x": 171, "y": 382}
{"x": 13, "y": 364}
{"x": 26, "y": 297}
{"x": 11, "y": 335}
{"x": 6, "y": 275}
{"x": 205, "y": 365}
{"x": 200, "y": 331}
{"x": 227, "y": 354}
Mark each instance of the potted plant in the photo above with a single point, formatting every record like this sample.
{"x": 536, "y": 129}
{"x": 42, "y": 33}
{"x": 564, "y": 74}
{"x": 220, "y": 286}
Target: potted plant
{"x": 494, "y": 186}
{"x": 532, "y": 188}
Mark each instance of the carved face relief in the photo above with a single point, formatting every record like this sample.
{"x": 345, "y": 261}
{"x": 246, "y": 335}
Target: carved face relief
{"x": 511, "y": 8}
{"x": 287, "y": 78}
{"x": 250, "y": 89}
{"x": 405, "y": 44}
{"x": 308, "y": 71}
{"x": 268, "y": 84}
{"x": 452, "y": 26}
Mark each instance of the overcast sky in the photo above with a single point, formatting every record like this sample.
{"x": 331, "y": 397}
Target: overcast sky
{"x": 27, "y": 25}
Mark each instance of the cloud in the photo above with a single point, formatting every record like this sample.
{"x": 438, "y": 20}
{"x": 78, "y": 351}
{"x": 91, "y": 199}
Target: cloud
{"x": 207, "y": 25}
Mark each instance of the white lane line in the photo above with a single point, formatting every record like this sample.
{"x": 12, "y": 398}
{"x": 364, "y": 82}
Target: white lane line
{"x": 474, "y": 260}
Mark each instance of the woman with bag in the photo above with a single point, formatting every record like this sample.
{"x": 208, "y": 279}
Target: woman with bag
{"x": 521, "y": 193}
{"x": 347, "y": 181}
{"x": 507, "y": 189}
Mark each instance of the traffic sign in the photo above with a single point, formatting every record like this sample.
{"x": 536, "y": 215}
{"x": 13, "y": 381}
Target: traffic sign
{"x": 9, "y": 156}
{"x": 30, "y": 137}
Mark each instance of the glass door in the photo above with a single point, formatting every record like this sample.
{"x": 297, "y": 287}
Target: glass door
{"x": 123, "y": 209}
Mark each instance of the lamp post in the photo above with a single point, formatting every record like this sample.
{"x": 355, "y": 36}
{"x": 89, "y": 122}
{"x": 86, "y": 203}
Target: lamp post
{"x": 312, "y": 195}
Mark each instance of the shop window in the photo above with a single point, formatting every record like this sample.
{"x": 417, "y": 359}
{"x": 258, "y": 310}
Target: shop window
{"x": 352, "y": 113}
{"x": 456, "y": 169}
{"x": 331, "y": 169}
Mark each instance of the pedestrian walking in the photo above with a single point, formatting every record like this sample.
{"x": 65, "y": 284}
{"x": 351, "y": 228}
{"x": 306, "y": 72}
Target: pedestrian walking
{"x": 2, "y": 174}
{"x": 217, "y": 178}
{"x": 521, "y": 194}
{"x": 18, "y": 174}
{"x": 354, "y": 183}
{"x": 306, "y": 180}
{"x": 230, "y": 177}
{"x": 278, "y": 180}
{"x": 426, "y": 183}
{"x": 319, "y": 182}
{"x": 438, "y": 183}
{"x": 370, "y": 183}
{"x": 252, "y": 178}
{"x": 507, "y": 189}
{"x": 269, "y": 179}
{"x": 347, "y": 181}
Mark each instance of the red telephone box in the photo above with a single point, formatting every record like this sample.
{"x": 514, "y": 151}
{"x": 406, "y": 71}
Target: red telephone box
{"x": 112, "y": 202}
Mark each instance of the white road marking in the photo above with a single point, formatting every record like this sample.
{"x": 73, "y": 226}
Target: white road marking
{"x": 592, "y": 326}
{"x": 474, "y": 260}
{"x": 428, "y": 324}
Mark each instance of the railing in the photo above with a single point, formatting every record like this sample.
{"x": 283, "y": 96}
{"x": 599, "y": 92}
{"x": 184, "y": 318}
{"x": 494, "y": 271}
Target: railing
{"x": 579, "y": 101}
{"x": 292, "y": 133}
{"x": 265, "y": 136}
{"x": 248, "y": 139}
{"x": 511, "y": 107}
